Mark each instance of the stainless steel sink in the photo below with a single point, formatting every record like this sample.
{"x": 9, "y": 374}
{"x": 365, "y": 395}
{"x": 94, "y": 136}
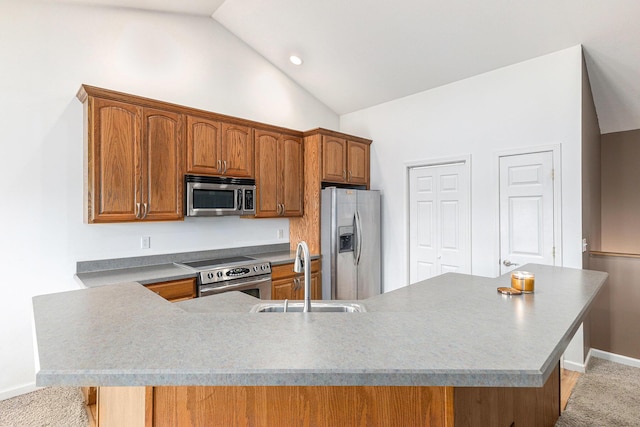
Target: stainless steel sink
{"x": 316, "y": 307}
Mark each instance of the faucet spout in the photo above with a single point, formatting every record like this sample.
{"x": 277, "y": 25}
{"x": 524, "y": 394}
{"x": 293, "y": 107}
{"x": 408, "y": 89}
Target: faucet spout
{"x": 303, "y": 260}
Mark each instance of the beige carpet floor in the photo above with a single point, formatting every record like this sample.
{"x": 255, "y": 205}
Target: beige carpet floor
{"x": 608, "y": 394}
{"x": 50, "y": 407}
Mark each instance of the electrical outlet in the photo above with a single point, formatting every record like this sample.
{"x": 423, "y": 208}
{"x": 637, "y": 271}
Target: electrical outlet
{"x": 145, "y": 242}
{"x": 280, "y": 233}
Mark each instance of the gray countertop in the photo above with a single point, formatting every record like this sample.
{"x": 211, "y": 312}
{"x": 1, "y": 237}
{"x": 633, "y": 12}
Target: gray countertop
{"x": 450, "y": 330}
{"x": 149, "y": 274}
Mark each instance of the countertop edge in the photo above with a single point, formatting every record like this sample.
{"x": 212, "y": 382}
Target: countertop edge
{"x": 293, "y": 378}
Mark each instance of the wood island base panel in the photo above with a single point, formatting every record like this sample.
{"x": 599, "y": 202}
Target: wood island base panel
{"x": 330, "y": 406}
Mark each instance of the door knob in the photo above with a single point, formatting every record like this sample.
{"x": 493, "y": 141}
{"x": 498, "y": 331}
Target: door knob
{"x": 508, "y": 263}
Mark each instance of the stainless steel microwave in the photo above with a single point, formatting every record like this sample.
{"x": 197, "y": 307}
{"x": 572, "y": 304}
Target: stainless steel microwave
{"x": 216, "y": 196}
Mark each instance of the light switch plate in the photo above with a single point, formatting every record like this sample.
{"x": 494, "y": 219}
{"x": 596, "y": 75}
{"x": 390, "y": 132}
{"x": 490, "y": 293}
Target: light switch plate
{"x": 584, "y": 245}
{"x": 145, "y": 242}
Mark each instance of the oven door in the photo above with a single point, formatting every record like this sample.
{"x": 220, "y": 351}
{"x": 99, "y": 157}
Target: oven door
{"x": 257, "y": 286}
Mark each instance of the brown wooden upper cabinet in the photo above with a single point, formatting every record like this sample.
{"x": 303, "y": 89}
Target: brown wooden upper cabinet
{"x": 345, "y": 161}
{"x": 219, "y": 148}
{"x": 279, "y": 174}
{"x": 134, "y": 162}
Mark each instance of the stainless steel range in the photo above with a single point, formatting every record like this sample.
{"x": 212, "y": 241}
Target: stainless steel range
{"x": 240, "y": 273}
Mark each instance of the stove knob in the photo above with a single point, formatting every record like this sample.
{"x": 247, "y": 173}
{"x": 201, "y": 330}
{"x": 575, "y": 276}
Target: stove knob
{"x": 265, "y": 267}
{"x": 209, "y": 275}
{"x": 219, "y": 274}
{"x": 255, "y": 268}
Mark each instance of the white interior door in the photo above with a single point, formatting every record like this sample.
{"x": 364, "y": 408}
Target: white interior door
{"x": 526, "y": 210}
{"x": 439, "y": 235}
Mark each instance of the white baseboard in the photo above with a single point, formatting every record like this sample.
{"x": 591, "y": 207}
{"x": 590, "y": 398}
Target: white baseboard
{"x": 27, "y": 388}
{"x": 573, "y": 366}
{"x": 617, "y": 358}
{"x": 577, "y": 367}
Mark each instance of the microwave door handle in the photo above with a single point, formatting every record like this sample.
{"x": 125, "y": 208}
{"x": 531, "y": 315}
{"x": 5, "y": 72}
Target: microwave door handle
{"x": 240, "y": 203}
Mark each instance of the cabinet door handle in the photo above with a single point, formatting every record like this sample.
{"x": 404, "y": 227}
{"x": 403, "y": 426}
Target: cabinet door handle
{"x": 144, "y": 210}
{"x": 137, "y": 210}
{"x": 219, "y": 168}
{"x": 282, "y": 209}
{"x": 350, "y": 176}
{"x": 225, "y": 167}
{"x": 344, "y": 174}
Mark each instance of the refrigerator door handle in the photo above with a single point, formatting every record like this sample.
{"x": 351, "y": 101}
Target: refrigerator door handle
{"x": 359, "y": 236}
{"x": 354, "y": 252}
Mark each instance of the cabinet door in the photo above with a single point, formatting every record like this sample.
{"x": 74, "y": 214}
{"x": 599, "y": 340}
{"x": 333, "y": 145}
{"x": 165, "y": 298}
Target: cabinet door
{"x": 204, "y": 146}
{"x": 334, "y": 159}
{"x": 162, "y": 165}
{"x": 357, "y": 162}
{"x": 266, "y": 145}
{"x": 237, "y": 151}
{"x": 283, "y": 289}
{"x": 175, "y": 290}
{"x": 316, "y": 289}
{"x": 316, "y": 286}
{"x": 114, "y": 148}
{"x": 290, "y": 164}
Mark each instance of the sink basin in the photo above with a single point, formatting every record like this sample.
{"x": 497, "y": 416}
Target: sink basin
{"x": 316, "y": 307}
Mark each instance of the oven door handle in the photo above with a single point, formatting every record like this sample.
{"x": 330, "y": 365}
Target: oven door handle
{"x": 231, "y": 287}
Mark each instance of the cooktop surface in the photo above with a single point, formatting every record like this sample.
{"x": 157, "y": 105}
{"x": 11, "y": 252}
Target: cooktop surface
{"x": 214, "y": 263}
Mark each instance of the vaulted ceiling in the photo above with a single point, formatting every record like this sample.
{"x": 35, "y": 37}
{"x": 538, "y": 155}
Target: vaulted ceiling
{"x": 359, "y": 53}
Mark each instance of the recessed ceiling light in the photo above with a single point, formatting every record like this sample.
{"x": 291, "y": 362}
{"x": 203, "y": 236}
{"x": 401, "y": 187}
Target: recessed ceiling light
{"x": 295, "y": 60}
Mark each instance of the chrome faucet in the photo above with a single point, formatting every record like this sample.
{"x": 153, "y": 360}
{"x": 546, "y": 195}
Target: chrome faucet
{"x": 298, "y": 265}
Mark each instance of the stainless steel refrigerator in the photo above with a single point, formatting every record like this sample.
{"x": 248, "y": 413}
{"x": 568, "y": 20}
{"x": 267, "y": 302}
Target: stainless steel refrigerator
{"x": 350, "y": 243}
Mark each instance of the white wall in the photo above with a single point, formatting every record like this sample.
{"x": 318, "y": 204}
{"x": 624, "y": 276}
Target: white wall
{"x": 533, "y": 103}
{"x": 47, "y": 51}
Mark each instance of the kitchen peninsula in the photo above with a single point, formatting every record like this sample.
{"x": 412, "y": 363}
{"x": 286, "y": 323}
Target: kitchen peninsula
{"x": 446, "y": 351}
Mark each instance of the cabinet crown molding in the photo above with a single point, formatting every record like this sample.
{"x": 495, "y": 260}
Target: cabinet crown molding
{"x": 328, "y": 132}
{"x": 86, "y": 91}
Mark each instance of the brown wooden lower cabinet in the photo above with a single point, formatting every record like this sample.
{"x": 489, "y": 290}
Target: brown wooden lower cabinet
{"x": 331, "y": 406}
{"x": 285, "y": 284}
{"x": 175, "y": 290}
